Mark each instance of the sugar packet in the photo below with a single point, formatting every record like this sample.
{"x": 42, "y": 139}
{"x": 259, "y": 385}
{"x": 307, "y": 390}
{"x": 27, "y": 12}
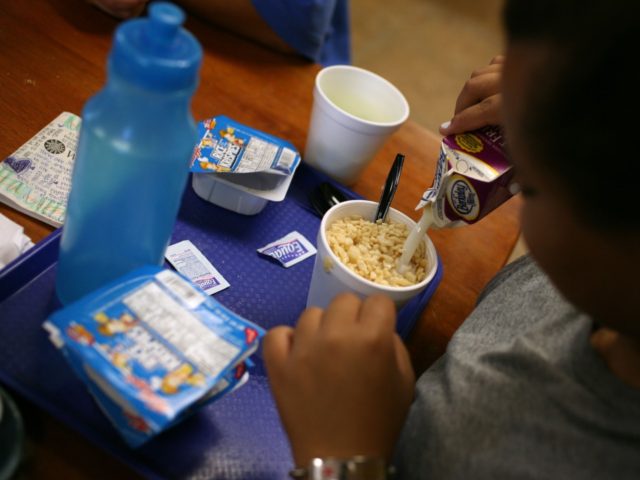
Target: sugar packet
{"x": 185, "y": 257}
{"x": 289, "y": 250}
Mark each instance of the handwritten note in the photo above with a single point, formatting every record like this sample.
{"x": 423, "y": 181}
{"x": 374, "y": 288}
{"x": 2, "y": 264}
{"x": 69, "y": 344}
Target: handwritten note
{"x": 36, "y": 178}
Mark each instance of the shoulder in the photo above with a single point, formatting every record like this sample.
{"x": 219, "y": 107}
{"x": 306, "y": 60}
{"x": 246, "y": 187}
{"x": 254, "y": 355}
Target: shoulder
{"x": 524, "y": 269}
{"x": 520, "y": 297}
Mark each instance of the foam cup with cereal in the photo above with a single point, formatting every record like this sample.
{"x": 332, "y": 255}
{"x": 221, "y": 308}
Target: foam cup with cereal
{"x": 359, "y": 256}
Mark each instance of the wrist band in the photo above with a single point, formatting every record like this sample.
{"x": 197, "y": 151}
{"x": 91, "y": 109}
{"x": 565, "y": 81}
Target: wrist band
{"x": 355, "y": 468}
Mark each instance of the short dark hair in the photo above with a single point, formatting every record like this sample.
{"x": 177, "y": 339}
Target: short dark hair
{"x": 582, "y": 113}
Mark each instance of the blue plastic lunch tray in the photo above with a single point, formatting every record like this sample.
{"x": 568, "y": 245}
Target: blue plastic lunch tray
{"x": 237, "y": 437}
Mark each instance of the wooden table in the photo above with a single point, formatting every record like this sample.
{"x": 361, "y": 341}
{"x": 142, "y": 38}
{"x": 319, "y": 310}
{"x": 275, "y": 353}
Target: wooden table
{"x": 52, "y": 58}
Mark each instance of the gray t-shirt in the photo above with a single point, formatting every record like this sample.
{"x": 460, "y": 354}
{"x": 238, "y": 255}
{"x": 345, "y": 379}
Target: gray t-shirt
{"x": 520, "y": 393}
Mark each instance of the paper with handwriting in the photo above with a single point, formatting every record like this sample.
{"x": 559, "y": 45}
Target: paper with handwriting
{"x": 36, "y": 178}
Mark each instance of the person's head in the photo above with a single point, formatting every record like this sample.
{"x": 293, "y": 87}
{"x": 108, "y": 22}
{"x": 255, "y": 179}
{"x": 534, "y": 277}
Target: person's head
{"x": 571, "y": 108}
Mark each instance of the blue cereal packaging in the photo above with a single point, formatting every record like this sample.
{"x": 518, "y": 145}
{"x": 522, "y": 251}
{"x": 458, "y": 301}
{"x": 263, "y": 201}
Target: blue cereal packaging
{"x": 152, "y": 348}
{"x": 240, "y": 168}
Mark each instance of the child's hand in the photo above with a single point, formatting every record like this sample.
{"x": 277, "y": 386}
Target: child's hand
{"x": 121, "y": 8}
{"x": 342, "y": 379}
{"x": 480, "y": 101}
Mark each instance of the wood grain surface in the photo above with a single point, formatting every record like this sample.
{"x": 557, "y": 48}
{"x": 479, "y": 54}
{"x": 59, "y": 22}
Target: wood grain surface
{"x": 53, "y": 58}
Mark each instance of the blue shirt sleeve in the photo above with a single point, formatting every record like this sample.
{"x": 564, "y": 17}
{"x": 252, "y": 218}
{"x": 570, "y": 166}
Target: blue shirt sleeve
{"x": 317, "y": 29}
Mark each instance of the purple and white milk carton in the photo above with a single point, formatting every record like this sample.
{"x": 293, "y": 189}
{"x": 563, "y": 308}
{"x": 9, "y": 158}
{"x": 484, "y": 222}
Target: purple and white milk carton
{"x": 473, "y": 177}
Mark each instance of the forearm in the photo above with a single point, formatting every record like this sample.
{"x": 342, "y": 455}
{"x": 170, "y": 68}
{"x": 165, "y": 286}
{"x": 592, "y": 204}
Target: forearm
{"x": 342, "y": 380}
{"x": 238, "y": 16}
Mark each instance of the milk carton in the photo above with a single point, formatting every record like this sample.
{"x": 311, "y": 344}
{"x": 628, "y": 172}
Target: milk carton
{"x": 473, "y": 177}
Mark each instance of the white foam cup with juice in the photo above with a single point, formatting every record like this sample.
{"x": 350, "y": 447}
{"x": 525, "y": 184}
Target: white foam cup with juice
{"x": 354, "y": 112}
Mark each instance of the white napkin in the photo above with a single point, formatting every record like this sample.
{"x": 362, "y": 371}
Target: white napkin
{"x": 13, "y": 241}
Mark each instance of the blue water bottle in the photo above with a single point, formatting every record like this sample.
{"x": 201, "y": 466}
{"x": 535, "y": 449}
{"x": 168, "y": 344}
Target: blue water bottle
{"x": 133, "y": 155}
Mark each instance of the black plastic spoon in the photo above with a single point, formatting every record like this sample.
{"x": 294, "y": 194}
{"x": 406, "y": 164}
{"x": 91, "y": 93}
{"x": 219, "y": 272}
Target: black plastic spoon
{"x": 390, "y": 187}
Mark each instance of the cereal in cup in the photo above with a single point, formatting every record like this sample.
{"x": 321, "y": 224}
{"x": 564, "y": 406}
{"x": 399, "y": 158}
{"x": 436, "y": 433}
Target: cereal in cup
{"x": 360, "y": 256}
{"x": 372, "y": 250}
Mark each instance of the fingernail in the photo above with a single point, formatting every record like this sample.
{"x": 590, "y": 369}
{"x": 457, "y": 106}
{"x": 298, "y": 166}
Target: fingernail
{"x": 445, "y": 125}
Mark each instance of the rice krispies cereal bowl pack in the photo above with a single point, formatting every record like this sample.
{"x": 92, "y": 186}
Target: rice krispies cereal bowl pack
{"x": 152, "y": 348}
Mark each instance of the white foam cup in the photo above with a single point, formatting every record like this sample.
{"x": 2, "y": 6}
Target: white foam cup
{"x": 354, "y": 112}
{"x": 331, "y": 277}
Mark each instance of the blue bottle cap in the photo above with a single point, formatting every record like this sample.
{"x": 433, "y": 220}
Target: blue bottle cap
{"x": 156, "y": 52}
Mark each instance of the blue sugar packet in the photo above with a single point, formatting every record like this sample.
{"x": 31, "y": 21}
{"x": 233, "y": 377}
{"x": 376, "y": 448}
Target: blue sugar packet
{"x": 289, "y": 250}
{"x": 152, "y": 347}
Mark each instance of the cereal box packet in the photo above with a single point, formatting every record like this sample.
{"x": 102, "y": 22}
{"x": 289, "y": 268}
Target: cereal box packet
{"x": 226, "y": 146}
{"x": 133, "y": 428}
{"x": 152, "y": 348}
